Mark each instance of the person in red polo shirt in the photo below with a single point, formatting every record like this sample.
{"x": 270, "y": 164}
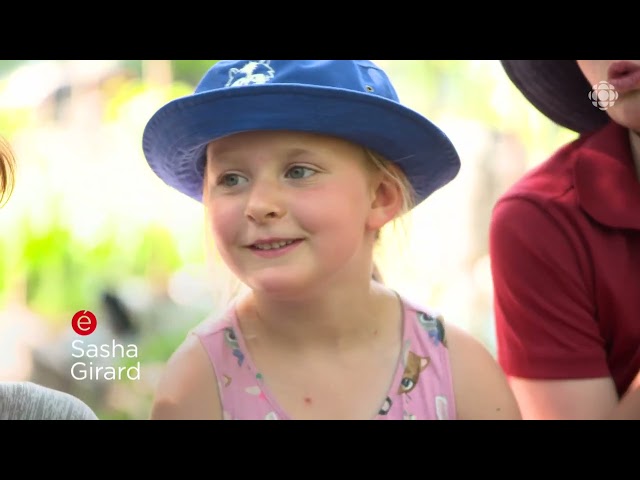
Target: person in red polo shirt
{"x": 565, "y": 248}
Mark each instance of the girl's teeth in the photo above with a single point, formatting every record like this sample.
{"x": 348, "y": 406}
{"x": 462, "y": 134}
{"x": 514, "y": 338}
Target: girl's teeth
{"x": 270, "y": 246}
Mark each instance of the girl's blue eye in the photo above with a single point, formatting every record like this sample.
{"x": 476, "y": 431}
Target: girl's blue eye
{"x": 300, "y": 172}
{"x": 230, "y": 180}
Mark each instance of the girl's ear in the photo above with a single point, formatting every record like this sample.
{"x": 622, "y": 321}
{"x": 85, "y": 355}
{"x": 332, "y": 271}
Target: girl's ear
{"x": 386, "y": 201}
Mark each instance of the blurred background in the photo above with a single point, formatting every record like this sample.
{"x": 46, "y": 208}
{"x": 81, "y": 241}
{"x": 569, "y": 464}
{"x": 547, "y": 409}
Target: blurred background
{"x": 90, "y": 227}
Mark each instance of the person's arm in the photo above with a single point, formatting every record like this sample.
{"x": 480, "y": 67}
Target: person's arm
{"x": 188, "y": 388}
{"x": 629, "y": 406}
{"x": 555, "y": 399}
{"x": 548, "y": 339}
{"x": 480, "y": 387}
{"x": 574, "y": 399}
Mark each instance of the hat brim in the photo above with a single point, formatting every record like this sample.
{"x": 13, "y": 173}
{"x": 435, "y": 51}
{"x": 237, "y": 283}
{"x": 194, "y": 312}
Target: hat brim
{"x": 175, "y": 138}
{"x": 559, "y": 90}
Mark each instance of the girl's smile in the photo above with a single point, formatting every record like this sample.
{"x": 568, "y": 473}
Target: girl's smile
{"x": 270, "y": 248}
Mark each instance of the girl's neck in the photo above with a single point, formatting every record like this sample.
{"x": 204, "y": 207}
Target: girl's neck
{"x": 338, "y": 319}
{"x": 634, "y": 138}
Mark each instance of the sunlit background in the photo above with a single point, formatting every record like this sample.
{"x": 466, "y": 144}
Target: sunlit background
{"x": 90, "y": 227}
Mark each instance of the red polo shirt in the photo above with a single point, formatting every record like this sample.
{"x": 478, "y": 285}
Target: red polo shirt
{"x": 565, "y": 259}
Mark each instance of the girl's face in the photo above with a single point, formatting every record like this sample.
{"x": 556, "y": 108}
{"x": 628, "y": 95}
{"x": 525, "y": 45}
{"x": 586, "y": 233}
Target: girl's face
{"x": 624, "y": 76}
{"x": 289, "y": 209}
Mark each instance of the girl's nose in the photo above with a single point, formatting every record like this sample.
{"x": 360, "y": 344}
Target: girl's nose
{"x": 265, "y": 203}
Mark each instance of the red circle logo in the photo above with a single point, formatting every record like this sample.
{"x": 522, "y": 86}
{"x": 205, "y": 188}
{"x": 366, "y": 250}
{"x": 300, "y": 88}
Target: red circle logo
{"x": 84, "y": 322}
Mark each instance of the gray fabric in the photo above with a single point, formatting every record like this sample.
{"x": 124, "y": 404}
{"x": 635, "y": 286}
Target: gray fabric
{"x": 29, "y": 401}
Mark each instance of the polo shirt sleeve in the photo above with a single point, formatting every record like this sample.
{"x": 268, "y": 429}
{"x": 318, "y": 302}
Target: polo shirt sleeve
{"x": 544, "y": 311}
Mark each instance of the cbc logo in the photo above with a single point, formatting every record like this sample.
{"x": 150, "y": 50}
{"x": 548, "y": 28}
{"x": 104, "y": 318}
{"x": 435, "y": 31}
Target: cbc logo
{"x": 603, "y": 95}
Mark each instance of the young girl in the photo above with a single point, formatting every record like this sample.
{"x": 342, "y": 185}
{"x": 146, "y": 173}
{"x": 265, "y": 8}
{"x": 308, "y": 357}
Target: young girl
{"x": 299, "y": 164}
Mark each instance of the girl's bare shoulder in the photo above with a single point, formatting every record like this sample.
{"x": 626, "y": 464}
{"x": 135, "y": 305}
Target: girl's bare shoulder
{"x": 188, "y": 388}
{"x": 480, "y": 386}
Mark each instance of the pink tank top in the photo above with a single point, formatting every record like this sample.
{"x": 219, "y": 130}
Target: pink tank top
{"x": 421, "y": 388}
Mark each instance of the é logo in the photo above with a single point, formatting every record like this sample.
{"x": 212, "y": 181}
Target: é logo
{"x": 84, "y": 322}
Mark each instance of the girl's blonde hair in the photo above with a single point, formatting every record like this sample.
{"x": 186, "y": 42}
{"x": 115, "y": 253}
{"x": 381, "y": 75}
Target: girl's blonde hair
{"x": 7, "y": 170}
{"x": 233, "y": 288}
{"x": 392, "y": 172}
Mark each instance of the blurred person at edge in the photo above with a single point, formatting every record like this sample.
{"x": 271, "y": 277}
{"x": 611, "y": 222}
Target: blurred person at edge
{"x": 565, "y": 248}
{"x": 23, "y": 400}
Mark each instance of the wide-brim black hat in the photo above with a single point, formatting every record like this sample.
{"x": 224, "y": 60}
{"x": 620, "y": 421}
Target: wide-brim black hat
{"x": 559, "y": 90}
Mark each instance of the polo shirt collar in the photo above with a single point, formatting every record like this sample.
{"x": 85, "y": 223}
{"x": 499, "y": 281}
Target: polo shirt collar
{"x": 605, "y": 178}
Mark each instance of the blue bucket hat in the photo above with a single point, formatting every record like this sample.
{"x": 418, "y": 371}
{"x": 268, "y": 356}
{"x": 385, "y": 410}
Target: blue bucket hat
{"x": 350, "y": 99}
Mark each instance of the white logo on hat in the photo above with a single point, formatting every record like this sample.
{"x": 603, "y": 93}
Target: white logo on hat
{"x": 603, "y": 95}
{"x": 252, "y": 73}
